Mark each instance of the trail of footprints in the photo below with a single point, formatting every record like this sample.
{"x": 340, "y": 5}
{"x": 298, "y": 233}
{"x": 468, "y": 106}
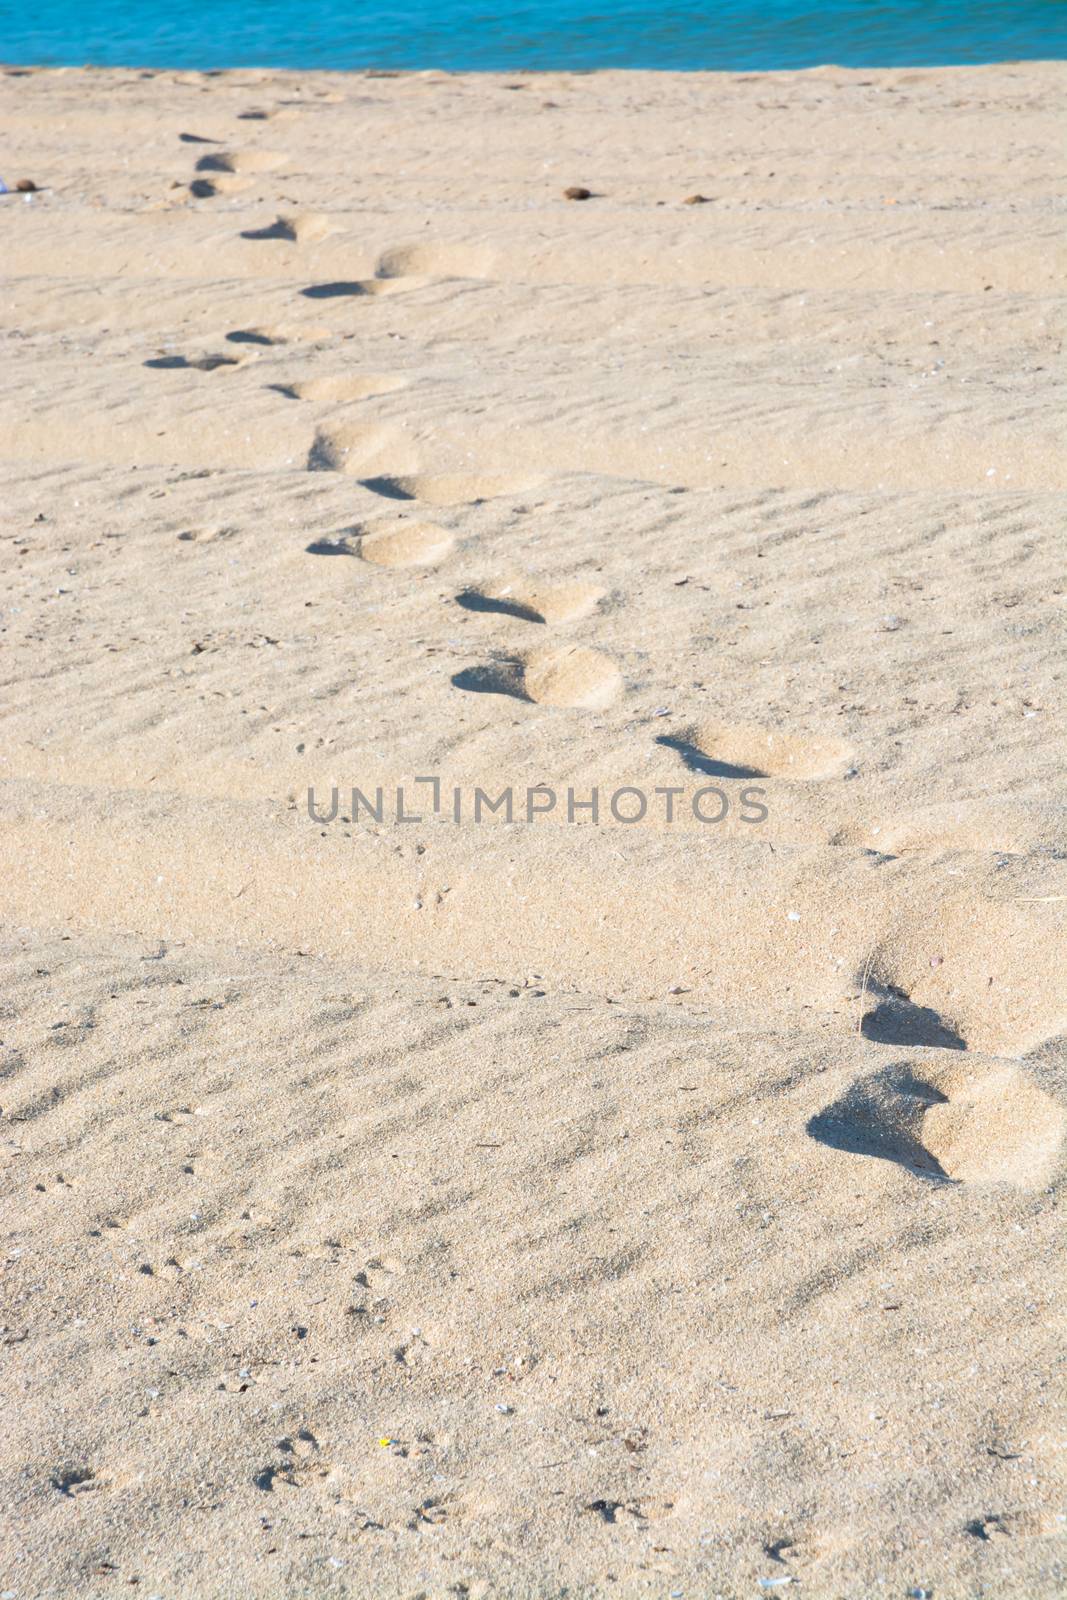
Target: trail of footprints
{"x": 576, "y": 677}
{"x": 573, "y": 676}
{"x": 943, "y": 1124}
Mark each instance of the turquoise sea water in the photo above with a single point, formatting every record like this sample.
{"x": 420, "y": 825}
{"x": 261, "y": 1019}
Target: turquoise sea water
{"x": 513, "y": 34}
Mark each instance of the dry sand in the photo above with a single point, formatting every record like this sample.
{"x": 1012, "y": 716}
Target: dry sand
{"x": 432, "y": 1209}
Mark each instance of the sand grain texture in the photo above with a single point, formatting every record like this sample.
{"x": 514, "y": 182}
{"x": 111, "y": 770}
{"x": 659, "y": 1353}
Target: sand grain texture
{"x": 533, "y": 1207}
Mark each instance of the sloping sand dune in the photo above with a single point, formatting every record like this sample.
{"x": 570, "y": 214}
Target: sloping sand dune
{"x": 650, "y": 1192}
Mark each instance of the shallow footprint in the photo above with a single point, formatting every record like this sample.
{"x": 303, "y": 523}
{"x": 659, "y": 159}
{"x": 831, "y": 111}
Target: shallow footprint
{"x": 571, "y": 678}
{"x": 353, "y": 288}
{"x": 359, "y": 448}
{"x": 745, "y": 750}
{"x": 283, "y": 333}
{"x": 446, "y": 488}
{"x": 205, "y": 363}
{"x": 406, "y": 544}
{"x": 533, "y": 602}
{"x": 435, "y": 261}
{"x": 233, "y": 161}
{"x": 341, "y": 386}
{"x": 294, "y": 230}
{"x": 1000, "y": 824}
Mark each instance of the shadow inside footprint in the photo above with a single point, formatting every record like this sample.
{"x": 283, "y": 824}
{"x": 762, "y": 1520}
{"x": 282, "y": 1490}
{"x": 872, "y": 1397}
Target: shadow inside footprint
{"x": 329, "y": 547}
{"x": 73, "y": 1479}
{"x": 696, "y": 761}
{"x": 898, "y": 1021}
{"x": 882, "y": 1116}
{"x": 388, "y": 488}
{"x": 274, "y": 230}
{"x": 198, "y": 363}
{"x": 334, "y": 291}
{"x": 496, "y": 678}
{"x": 203, "y": 189}
{"x": 472, "y": 600}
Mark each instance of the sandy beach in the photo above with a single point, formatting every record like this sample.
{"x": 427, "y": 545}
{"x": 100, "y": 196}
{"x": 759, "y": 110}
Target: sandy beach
{"x": 629, "y": 1197}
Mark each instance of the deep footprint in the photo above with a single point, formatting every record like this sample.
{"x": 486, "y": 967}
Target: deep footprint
{"x": 952, "y": 1123}
{"x": 896, "y": 1019}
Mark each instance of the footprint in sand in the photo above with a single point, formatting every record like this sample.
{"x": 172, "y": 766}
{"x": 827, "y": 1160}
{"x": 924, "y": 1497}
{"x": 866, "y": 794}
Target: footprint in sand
{"x": 446, "y": 488}
{"x": 578, "y": 678}
{"x": 423, "y": 261}
{"x": 209, "y": 188}
{"x": 235, "y": 161}
{"x": 378, "y": 1273}
{"x": 205, "y": 363}
{"x": 354, "y": 288}
{"x": 341, "y": 386}
{"x": 179, "y": 1115}
{"x": 294, "y": 230}
{"x": 408, "y": 267}
{"x": 405, "y": 544}
{"x": 57, "y": 1184}
{"x": 282, "y": 333}
{"x": 72, "y": 1481}
{"x": 743, "y": 750}
{"x": 359, "y": 449}
{"x": 895, "y": 1018}
{"x": 998, "y": 824}
{"x": 952, "y": 1123}
{"x": 1014, "y": 1525}
{"x": 532, "y": 601}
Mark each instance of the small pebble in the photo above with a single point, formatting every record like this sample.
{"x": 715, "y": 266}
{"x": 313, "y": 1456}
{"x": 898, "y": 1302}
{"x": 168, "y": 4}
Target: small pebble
{"x": 695, "y": 200}
{"x": 576, "y": 192}
{"x": 26, "y": 186}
